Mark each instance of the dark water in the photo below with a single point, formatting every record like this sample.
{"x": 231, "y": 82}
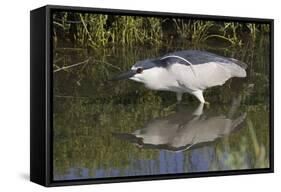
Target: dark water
{"x": 108, "y": 129}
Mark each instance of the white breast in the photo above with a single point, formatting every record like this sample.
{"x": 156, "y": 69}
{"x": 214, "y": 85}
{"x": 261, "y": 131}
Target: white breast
{"x": 158, "y": 78}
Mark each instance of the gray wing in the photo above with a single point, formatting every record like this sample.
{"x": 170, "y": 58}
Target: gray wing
{"x": 195, "y": 57}
{"x": 205, "y": 69}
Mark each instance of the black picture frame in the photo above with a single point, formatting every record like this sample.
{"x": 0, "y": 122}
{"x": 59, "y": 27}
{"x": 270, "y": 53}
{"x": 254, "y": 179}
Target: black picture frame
{"x": 41, "y": 96}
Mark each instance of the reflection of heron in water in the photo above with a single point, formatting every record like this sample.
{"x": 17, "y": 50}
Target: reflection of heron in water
{"x": 183, "y": 130}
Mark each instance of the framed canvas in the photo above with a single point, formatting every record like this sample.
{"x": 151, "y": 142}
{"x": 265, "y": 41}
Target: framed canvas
{"x": 119, "y": 95}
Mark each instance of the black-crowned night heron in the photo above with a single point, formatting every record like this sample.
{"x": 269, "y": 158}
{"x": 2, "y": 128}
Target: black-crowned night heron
{"x": 185, "y": 72}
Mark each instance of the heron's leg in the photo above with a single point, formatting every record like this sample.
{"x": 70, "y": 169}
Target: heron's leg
{"x": 199, "y": 95}
{"x": 179, "y": 97}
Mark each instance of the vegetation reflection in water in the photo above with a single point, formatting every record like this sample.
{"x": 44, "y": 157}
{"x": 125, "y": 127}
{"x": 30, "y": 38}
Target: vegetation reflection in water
{"x": 96, "y": 121}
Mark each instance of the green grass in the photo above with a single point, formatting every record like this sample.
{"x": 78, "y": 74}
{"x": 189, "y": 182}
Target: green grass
{"x": 96, "y": 30}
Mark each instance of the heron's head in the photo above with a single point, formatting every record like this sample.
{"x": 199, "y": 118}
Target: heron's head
{"x": 141, "y": 71}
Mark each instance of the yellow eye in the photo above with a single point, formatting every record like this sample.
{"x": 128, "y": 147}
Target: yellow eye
{"x": 139, "y": 70}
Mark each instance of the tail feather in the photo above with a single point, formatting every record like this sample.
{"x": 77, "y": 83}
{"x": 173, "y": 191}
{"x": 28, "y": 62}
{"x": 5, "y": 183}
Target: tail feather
{"x": 238, "y": 71}
{"x": 240, "y": 63}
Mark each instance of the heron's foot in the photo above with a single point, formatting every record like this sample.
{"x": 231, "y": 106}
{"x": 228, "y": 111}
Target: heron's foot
{"x": 207, "y": 104}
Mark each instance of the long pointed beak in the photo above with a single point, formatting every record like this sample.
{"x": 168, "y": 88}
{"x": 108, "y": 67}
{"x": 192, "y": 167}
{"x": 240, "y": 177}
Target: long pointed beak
{"x": 124, "y": 75}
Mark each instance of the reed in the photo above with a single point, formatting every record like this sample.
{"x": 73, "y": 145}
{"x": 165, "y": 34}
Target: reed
{"x": 95, "y": 30}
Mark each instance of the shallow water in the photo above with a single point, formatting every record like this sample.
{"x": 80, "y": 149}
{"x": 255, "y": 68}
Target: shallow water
{"x": 119, "y": 128}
